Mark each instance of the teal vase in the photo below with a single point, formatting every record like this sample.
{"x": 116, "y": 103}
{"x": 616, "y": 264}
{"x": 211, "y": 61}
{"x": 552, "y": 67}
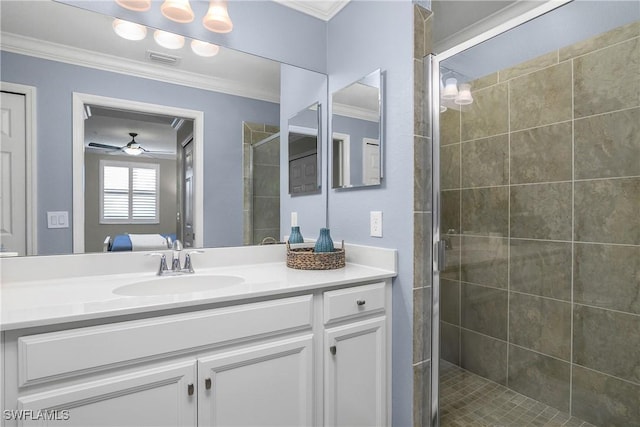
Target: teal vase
{"x": 324, "y": 242}
{"x": 296, "y": 236}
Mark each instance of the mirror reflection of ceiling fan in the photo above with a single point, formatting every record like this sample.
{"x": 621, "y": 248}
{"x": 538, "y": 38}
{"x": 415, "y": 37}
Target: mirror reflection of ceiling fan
{"x": 132, "y": 148}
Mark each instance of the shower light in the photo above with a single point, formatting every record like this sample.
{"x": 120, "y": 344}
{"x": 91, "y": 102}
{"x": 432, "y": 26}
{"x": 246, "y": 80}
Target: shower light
{"x": 136, "y": 5}
{"x": 129, "y": 30}
{"x": 464, "y": 95}
{"x": 450, "y": 89}
{"x": 177, "y": 10}
{"x": 217, "y": 18}
{"x": 204, "y": 49}
{"x": 168, "y": 40}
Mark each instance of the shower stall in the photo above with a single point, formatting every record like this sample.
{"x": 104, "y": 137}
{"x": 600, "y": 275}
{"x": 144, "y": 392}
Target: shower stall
{"x": 536, "y": 190}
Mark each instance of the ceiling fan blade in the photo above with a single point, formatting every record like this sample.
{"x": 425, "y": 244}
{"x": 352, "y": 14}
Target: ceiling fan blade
{"x": 108, "y": 147}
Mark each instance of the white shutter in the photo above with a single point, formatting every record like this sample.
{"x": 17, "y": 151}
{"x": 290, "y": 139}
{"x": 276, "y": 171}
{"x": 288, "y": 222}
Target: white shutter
{"x": 144, "y": 195}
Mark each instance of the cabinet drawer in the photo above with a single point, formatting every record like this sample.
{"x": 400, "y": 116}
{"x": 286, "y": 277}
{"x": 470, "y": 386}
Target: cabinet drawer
{"x": 352, "y": 302}
{"x": 60, "y": 354}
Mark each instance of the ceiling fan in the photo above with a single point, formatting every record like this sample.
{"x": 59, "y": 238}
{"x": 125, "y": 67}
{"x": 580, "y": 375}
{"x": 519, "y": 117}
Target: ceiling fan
{"x": 133, "y": 148}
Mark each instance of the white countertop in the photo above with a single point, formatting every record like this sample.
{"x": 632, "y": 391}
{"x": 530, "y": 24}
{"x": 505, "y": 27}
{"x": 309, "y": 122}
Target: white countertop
{"x": 65, "y": 299}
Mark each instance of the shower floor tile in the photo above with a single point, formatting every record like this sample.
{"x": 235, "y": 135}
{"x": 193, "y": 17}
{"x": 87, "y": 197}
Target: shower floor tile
{"x": 468, "y": 400}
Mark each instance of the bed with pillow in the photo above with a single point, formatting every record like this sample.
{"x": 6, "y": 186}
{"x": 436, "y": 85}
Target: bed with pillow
{"x": 138, "y": 242}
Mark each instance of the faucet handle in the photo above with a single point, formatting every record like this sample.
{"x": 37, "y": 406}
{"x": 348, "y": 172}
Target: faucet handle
{"x": 163, "y": 262}
{"x": 187, "y": 260}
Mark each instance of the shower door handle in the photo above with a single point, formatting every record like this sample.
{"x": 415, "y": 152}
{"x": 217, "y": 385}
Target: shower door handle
{"x": 440, "y": 251}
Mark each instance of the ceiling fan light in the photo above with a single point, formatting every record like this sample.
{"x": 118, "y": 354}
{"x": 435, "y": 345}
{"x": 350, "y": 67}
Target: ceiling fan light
{"x": 204, "y": 49}
{"x": 129, "y": 30}
{"x": 135, "y": 5}
{"x": 133, "y": 149}
{"x": 177, "y": 10}
{"x": 168, "y": 40}
{"x": 217, "y": 18}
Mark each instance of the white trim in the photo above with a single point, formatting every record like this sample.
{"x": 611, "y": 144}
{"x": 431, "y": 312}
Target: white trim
{"x": 321, "y": 10}
{"x": 346, "y": 158}
{"x": 303, "y": 130}
{"x": 356, "y": 112}
{"x": 85, "y": 58}
{"x": 79, "y": 99}
{"x": 31, "y": 182}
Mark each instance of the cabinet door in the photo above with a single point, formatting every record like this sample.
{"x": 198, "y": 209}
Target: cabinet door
{"x": 355, "y": 374}
{"x": 149, "y": 397}
{"x": 262, "y": 385}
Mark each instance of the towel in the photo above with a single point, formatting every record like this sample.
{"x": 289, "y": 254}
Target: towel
{"x": 147, "y": 242}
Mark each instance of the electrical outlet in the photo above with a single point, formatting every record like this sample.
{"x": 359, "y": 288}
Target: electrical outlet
{"x": 375, "y": 222}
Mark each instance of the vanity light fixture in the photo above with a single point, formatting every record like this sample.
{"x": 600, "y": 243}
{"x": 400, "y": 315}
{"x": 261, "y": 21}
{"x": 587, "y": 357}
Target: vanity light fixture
{"x": 136, "y": 5}
{"x": 217, "y": 18}
{"x": 177, "y": 10}
{"x": 450, "y": 89}
{"x": 168, "y": 40}
{"x": 129, "y": 30}
{"x": 204, "y": 49}
{"x": 464, "y": 95}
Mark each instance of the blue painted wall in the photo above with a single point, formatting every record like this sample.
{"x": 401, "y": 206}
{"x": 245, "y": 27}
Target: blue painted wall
{"x": 363, "y": 37}
{"x": 224, "y": 114}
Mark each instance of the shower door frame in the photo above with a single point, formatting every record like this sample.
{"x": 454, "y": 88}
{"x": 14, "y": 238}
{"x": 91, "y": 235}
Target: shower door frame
{"x": 433, "y": 79}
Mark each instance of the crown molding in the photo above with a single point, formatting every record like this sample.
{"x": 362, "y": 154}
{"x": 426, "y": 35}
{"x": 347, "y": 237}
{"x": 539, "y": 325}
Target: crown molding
{"x": 85, "y": 58}
{"x": 324, "y": 10}
{"x": 355, "y": 112}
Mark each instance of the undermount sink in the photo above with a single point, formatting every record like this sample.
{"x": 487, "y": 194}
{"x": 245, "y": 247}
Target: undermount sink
{"x": 178, "y": 285}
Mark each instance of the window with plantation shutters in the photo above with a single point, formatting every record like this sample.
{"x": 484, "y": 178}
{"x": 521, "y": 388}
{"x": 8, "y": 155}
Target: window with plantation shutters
{"x": 129, "y": 192}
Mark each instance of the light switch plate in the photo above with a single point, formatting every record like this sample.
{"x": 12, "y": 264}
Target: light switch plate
{"x": 58, "y": 219}
{"x": 375, "y": 222}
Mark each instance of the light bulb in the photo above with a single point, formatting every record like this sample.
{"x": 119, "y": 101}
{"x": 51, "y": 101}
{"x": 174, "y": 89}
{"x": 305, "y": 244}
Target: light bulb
{"x": 168, "y": 40}
{"x": 177, "y": 10}
{"x": 464, "y": 95}
{"x": 136, "y": 5}
{"x": 450, "y": 89}
{"x": 129, "y": 30}
{"x": 217, "y": 18}
{"x": 204, "y": 49}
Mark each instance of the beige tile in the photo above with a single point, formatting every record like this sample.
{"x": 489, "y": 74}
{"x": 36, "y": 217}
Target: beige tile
{"x": 418, "y": 32}
{"x": 419, "y": 325}
{"x": 607, "y": 341}
{"x": 422, "y": 174}
{"x": 452, "y": 258}
{"x": 266, "y": 181}
{"x": 608, "y": 211}
{"x": 541, "y": 154}
{"x": 541, "y": 211}
{"x": 608, "y": 145}
{"x": 421, "y": 394}
{"x": 450, "y": 301}
{"x": 608, "y": 79}
{"x": 488, "y": 115}
{"x": 450, "y": 167}
{"x": 450, "y": 343}
{"x": 484, "y": 310}
{"x": 540, "y": 377}
{"x": 450, "y": 127}
{"x": 600, "y": 41}
{"x": 529, "y": 66}
{"x": 428, "y": 34}
{"x": 607, "y": 276}
{"x": 420, "y": 119}
{"x": 271, "y": 129}
{"x": 485, "y": 81}
{"x": 484, "y": 356}
{"x": 422, "y": 249}
{"x": 450, "y": 212}
{"x": 484, "y": 261}
{"x": 485, "y": 211}
{"x": 540, "y": 324}
{"x": 541, "y": 98}
{"x": 485, "y": 162}
{"x": 268, "y": 153}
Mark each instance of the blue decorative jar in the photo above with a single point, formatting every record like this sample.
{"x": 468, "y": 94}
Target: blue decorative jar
{"x": 296, "y": 236}
{"x": 324, "y": 242}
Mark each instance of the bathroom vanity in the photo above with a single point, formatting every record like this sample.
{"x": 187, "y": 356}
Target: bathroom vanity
{"x": 281, "y": 347}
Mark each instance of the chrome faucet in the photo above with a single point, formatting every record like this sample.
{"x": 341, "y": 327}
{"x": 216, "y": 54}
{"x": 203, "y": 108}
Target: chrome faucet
{"x": 175, "y": 257}
{"x": 176, "y": 269}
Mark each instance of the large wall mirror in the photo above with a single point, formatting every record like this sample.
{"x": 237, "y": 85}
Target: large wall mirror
{"x": 357, "y": 133}
{"x": 304, "y": 151}
{"x": 109, "y": 114}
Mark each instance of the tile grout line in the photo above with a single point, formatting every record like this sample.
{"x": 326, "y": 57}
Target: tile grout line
{"x": 573, "y": 230}
{"x": 508, "y": 228}
{"x": 460, "y": 228}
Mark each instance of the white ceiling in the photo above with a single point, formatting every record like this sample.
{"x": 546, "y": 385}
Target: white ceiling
{"x": 321, "y": 9}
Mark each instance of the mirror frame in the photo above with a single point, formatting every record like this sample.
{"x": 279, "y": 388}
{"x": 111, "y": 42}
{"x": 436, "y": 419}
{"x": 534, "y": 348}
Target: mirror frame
{"x": 305, "y": 131}
{"x": 378, "y": 76}
{"x": 79, "y": 100}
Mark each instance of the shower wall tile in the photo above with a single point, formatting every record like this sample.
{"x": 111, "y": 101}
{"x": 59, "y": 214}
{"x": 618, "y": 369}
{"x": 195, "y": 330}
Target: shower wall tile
{"x": 609, "y": 38}
{"x": 450, "y": 343}
{"x": 541, "y": 98}
{"x": 540, "y": 377}
{"x": 608, "y": 145}
{"x": 421, "y": 394}
{"x": 422, "y": 173}
{"x": 484, "y": 356}
{"x": 485, "y": 211}
{"x": 257, "y": 136}
{"x": 452, "y": 258}
{"x": 607, "y": 341}
{"x": 271, "y": 129}
{"x": 603, "y": 400}
{"x": 419, "y": 116}
{"x": 485, "y": 162}
{"x": 422, "y": 249}
{"x": 596, "y": 90}
{"x": 541, "y": 154}
{"x": 486, "y": 81}
{"x": 607, "y": 276}
{"x": 269, "y": 208}
{"x": 268, "y": 154}
{"x": 421, "y": 324}
{"x": 450, "y": 212}
{"x": 450, "y": 127}
{"x": 535, "y": 64}
{"x": 608, "y": 211}
{"x": 450, "y": 301}
{"x": 484, "y": 261}
{"x": 450, "y": 167}
{"x": 541, "y": 268}
{"x": 266, "y": 180}
{"x": 540, "y": 324}
{"x": 541, "y": 211}
{"x": 488, "y": 115}
{"x": 484, "y": 310}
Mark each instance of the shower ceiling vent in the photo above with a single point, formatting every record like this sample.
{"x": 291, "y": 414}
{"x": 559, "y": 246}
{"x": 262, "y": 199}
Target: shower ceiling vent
{"x": 162, "y": 58}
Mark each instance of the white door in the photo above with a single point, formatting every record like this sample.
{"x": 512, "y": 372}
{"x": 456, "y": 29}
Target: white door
{"x": 264, "y": 385}
{"x": 162, "y": 396}
{"x": 371, "y": 161}
{"x": 355, "y": 374}
{"x": 188, "y": 235}
{"x": 13, "y": 190}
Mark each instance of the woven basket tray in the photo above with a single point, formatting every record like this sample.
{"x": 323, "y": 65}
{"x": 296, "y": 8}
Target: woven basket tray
{"x": 307, "y": 259}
